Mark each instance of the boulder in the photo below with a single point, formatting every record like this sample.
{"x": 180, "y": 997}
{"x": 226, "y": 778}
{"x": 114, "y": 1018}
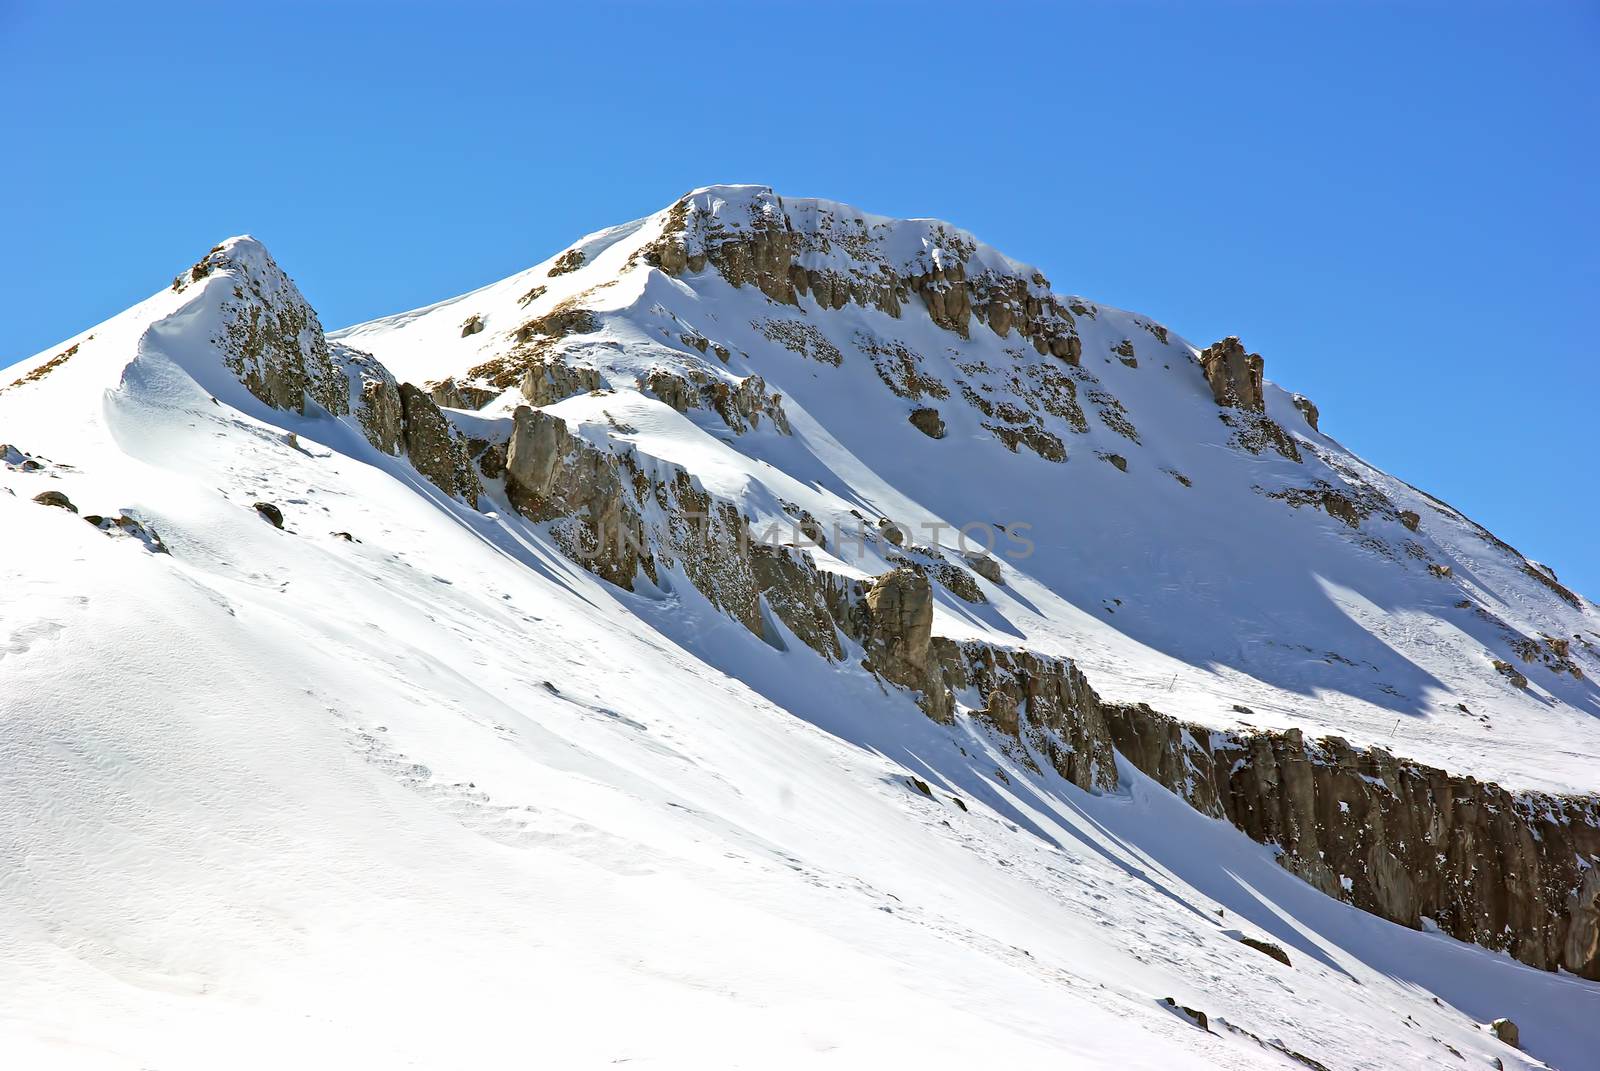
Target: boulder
{"x": 271, "y": 513}
{"x": 55, "y": 498}
{"x": 928, "y": 421}
{"x": 538, "y": 443}
{"x": 1267, "y": 948}
{"x": 986, "y": 567}
{"x": 1507, "y": 1031}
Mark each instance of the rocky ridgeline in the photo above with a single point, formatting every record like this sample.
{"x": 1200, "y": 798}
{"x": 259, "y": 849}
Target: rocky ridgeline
{"x": 273, "y": 342}
{"x": 1518, "y": 872}
{"x": 271, "y": 338}
{"x": 1514, "y": 872}
{"x": 839, "y": 260}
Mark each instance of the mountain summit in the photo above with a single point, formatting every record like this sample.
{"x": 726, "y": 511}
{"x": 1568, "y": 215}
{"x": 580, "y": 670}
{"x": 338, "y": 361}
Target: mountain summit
{"x": 760, "y": 631}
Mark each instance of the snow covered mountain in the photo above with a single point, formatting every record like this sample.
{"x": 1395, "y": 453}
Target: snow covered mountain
{"x": 762, "y": 634}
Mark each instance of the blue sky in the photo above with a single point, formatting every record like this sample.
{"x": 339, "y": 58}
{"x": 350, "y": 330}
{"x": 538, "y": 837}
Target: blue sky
{"x": 1395, "y": 204}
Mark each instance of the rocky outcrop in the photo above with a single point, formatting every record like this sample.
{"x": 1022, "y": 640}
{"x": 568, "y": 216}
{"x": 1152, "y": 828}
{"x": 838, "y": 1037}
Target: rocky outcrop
{"x": 434, "y": 447}
{"x": 270, "y": 337}
{"x": 1046, "y": 444}
{"x": 549, "y": 381}
{"x": 454, "y": 395}
{"x": 553, "y": 476}
{"x": 1046, "y": 703}
{"x": 756, "y": 243}
{"x": 1234, "y": 375}
{"x": 1308, "y": 409}
{"x": 569, "y": 261}
{"x": 928, "y": 421}
{"x": 271, "y": 513}
{"x": 986, "y": 567}
{"x": 1509, "y": 871}
{"x": 1267, "y": 948}
{"x": 898, "y": 628}
{"x": 374, "y": 397}
{"x": 1117, "y": 460}
{"x": 56, "y": 499}
{"x": 741, "y": 403}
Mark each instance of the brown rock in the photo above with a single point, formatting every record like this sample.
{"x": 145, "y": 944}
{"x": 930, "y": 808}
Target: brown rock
{"x": 549, "y": 381}
{"x": 900, "y": 608}
{"x": 433, "y": 446}
{"x": 55, "y": 498}
{"x": 1307, "y": 409}
{"x": 271, "y": 513}
{"x": 928, "y": 421}
{"x": 1268, "y": 948}
{"x": 1234, "y": 375}
{"x": 986, "y": 567}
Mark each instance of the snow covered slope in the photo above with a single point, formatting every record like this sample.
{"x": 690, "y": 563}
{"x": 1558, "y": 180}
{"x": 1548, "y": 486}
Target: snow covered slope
{"x": 402, "y": 784}
{"x": 1176, "y": 577}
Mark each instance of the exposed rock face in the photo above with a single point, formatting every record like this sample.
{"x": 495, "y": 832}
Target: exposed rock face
{"x": 899, "y": 625}
{"x": 375, "y": 398}
{"x": 472, "y": 326}
{"x": 549, "y": 381}
{"x": 434, "y": 447}
{"x": 1394, "y": 837}
{"x": 741, "y": 403}
{"x": 1235, "y": 376}
{"x": 1308, "y": 409}
{"x": 786, "y": 255}
{"x": 271, "y": 338}
{"x": 455, "y": 395}
{"x": 1510, "y": 673}
{"x": 1044, "y": 702}
{"x": 928, "y": 421}
{"x": 553, "y": 476}
{"x": 1391, "y": 836}
{"x": 569, "y": 261}
{"x": 1046, "y": 444}
{"x": 986, "y": 567}
{"x": 1582, "y": 946}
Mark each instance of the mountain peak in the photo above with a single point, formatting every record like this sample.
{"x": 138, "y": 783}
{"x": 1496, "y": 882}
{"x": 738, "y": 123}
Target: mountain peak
{"x": 562, "y": 584}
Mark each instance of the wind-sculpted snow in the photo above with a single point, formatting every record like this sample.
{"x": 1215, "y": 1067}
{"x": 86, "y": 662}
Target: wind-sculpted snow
{"x": 744, "y": 721}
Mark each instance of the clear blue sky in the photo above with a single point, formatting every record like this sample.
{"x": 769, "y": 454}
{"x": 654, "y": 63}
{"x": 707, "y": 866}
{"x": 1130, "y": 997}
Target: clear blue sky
{"x": 1395, "y": 204}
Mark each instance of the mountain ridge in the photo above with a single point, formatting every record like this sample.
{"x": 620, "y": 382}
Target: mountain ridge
{"x": 696, "y": 403}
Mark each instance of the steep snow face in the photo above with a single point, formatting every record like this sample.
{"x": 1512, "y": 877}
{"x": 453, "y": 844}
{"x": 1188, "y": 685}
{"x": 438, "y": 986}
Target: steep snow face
{"x": 1196, "y": 556}
{"x": 399, "y": 783}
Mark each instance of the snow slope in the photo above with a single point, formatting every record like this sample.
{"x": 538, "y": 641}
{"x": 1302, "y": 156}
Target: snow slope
{"x": 436, "y": 797}
{"x": 1193, "y": 598}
